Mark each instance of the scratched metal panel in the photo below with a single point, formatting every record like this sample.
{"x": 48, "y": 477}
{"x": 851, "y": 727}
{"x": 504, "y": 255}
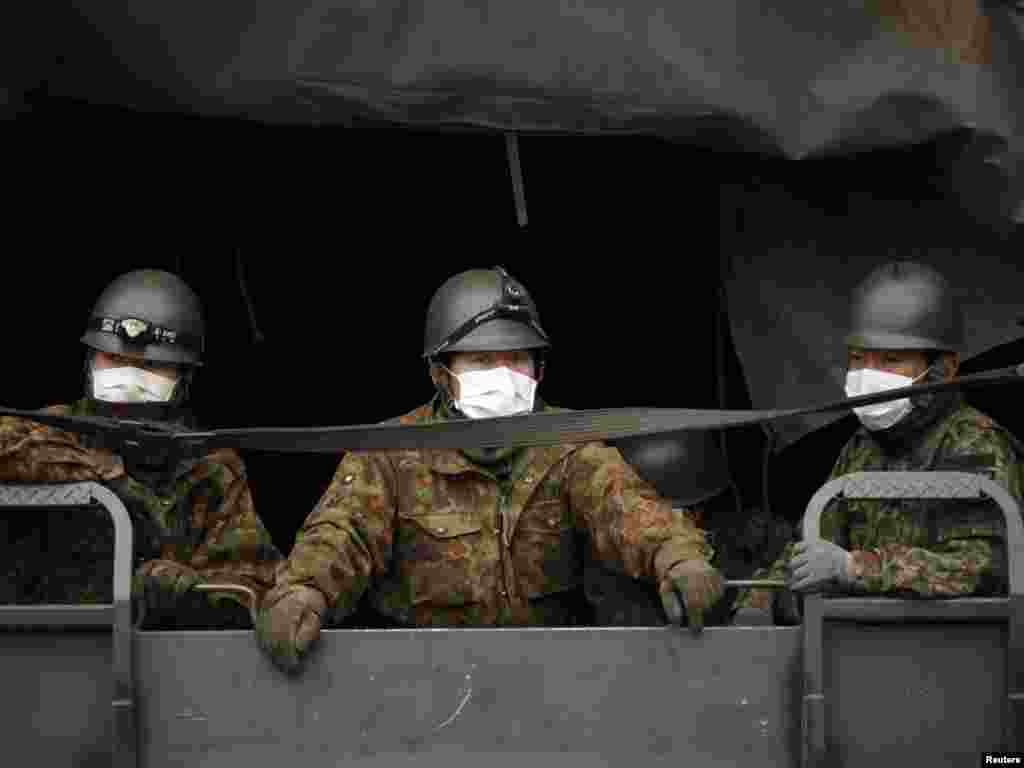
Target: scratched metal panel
{"x": 55, "y": 698}
{"x": 510, "y": 697}
{"x": 914, "y": 695}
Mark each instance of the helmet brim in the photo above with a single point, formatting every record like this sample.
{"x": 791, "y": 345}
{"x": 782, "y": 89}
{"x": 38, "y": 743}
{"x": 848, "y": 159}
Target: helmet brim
{"x": 156, "y": 353}
{"x": 882, "y": 340}
{"x": 500, "y": 335}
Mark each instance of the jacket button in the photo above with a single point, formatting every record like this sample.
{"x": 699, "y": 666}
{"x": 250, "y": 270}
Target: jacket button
{"x": 441, "y": 530}
{"x": 552, "y": 521}
{"x": 348, "y": 479}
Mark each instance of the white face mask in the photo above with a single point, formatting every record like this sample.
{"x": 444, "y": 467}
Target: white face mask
{"x": 130, "y": 385}
{"x": 870, "y": 381}
{"x": 495, "y": 392}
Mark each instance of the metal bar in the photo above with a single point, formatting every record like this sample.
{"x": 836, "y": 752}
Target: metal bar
{"x": 885, "y": 609}
{"x": 237, "y": 588}
{"x": 756, "y": 583}
{"x": 91, "y": 616}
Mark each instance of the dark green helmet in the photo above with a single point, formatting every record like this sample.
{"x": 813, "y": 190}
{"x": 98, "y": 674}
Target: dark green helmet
{"x": 685, "y": 467}
{"x": 482, "y": 310}
{"x": 906, "y": 305}
{"x": 149, "y": 314}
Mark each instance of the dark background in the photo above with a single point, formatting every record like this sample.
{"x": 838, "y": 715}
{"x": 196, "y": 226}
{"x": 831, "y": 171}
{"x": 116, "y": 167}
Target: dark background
{"x": 346, "y": 233}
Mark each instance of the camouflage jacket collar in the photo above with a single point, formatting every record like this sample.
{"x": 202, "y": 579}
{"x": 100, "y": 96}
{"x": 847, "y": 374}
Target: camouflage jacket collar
{"x": 930, "y": 416}
{"x": 921, "y": 453}
{"x": 455, "y": 462}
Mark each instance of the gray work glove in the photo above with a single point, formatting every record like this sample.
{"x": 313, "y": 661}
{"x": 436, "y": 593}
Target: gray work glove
{"x": 288, "y": 623}
{"x": 818, "y": 564}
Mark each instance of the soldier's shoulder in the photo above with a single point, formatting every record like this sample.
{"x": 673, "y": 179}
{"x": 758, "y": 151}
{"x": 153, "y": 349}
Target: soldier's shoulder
{"x": 22, "y": 426}
{"x": 60, "y": 409}
{"x": 970, "y": 416}
{"x": 590, "y": 447}
{"x": 421, "y": 414}
{"x": 973, "y": 431}
{"x": 418, "y": 415}
{"x": 968, "y": 423}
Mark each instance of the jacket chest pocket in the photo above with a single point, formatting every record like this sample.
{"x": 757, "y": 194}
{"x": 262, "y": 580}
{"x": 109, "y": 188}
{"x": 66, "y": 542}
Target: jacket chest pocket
{"x": 968, "y": 520}
{"x": 546, "y": 550}
{"x": 441, "y": 559}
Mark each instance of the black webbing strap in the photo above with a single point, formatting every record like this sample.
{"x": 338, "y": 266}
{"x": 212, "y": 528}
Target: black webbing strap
{"x": 534, "y": 429}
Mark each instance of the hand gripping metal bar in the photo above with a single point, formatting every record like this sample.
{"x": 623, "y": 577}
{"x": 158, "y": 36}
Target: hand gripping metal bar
{"x": 118, "y": 616}
{"x": 913, "y": 485}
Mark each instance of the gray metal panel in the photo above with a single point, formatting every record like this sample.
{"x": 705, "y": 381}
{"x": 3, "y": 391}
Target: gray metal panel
{"x": 494, "y": 697}
{"x": 55, "y": 699}
{"x": 913, "y": 695}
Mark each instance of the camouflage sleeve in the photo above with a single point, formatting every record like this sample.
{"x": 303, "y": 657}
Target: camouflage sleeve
{"x": 347, "y": 540}
{"x": 633, "y": 530}
{"x": 968, "y": 558}
{"x": 234, "y": 546}
{"x": 36, "y": 453}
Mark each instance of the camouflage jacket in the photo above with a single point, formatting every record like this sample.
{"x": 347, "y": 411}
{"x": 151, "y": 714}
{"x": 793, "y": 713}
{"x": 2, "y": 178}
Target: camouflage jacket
{"x": 922, "y": 548}
{"x": 440, "y": 541}
{"x": 204, "y": 518}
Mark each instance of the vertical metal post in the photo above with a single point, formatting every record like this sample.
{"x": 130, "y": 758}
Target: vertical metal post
{"x": 813, "y": 703}
{"x": 125, "y": 746}
{"x": 1014, "y": 726}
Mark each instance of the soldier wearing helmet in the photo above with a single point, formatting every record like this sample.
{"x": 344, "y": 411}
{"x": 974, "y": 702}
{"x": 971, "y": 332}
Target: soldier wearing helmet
{"x": 481, "y": 537}
{"x": 193, "y": 522}
{"x": 907, "y": 327}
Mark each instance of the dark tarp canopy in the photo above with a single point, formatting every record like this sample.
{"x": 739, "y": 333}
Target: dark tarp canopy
{"x": 791, "y": 78}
